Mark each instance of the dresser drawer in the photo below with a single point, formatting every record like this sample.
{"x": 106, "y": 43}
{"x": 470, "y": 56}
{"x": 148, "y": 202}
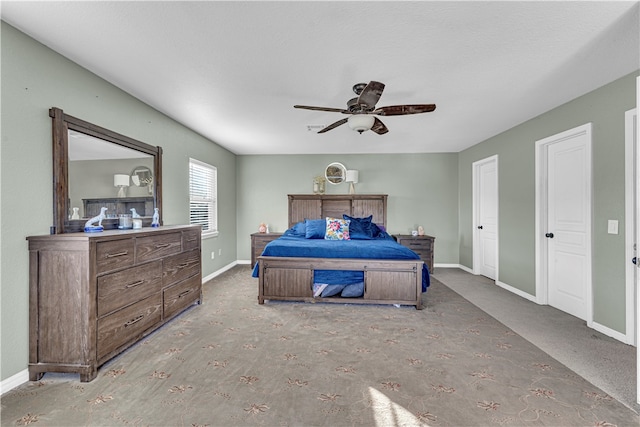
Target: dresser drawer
{"x": 180, "y": 267}
{"x": 258, "y": 242}
{"x": 154, "y": 247}
{"x": 421, "y": 245}
{"x": 122, "y": 288}
{"x": 423, "y": 253}
{"x": 259, "y": 246}
{"x": 114, "y": 254}
{"x": 191, "y": 239}
{"x": 415, "y": 245}
{"x": 182, "y": 295}
{"x": 127, "y": 325}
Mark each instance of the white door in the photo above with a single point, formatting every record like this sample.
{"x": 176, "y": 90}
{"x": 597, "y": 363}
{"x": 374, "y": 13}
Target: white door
{"x": 631, "y": 223}
{"x": 485, "y": 208}
{"x": 567, "y": 220}
{"x": 637, "y": 139}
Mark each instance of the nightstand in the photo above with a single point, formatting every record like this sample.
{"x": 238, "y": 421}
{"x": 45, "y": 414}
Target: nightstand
{"x": 422, "y": 245}
{"x": 258, "y": 242}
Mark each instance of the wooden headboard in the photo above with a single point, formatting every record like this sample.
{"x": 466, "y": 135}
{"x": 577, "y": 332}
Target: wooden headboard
{"x": 320, "y": 206}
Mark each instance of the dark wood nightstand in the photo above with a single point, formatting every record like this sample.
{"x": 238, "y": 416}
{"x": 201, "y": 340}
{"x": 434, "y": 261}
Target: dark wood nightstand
{"x": 258, "y": 242}
{"x": 422, "y": 245}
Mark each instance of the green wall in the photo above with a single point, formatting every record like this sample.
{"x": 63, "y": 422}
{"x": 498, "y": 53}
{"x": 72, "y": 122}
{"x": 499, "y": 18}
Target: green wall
{"x": 34, "y": 79}
{"x": 605, "y": 109}
{"x": 422, "y": 190}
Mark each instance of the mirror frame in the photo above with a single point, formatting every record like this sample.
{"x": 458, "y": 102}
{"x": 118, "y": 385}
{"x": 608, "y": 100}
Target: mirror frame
{"x": 62, "y": 123}
{"x": 341, "y": 178}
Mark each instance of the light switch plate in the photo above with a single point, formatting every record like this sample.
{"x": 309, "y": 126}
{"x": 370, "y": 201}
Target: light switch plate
{"x": 613, "y": 226}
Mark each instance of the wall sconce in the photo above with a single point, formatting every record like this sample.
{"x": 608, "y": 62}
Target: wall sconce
{"x": 352, "y": 178}
{"x": 122, "y": 182}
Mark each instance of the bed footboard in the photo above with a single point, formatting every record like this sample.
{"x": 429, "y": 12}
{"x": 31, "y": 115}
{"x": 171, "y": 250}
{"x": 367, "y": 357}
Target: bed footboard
{"x": 385, "y": 281}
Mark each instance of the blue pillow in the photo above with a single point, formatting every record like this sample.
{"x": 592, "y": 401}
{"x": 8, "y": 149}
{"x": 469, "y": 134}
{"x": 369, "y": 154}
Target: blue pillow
{"x": 360, "y": 228}
{"x": 299, "y": 229}
{"x": 353, "y": 291}
{"x": 315, "y": 228}
{"x": 332, "y": 290}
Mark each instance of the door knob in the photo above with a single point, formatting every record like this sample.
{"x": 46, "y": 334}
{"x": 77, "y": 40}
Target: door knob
{"x": 634, "y": 260}
{"x": 479, "y": 227}
{"x": 549, "y": 235}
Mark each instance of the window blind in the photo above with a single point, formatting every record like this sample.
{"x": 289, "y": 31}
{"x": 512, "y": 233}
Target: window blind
{"x": 203, "y": 193}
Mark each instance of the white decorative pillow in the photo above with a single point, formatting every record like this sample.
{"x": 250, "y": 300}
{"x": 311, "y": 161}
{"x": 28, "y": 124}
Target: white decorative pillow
{"x": 337, "y": 229}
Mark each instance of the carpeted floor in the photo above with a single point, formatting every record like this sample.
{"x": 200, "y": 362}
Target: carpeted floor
{"x": 604, "y": 361}
{"x": 232, "y": 362}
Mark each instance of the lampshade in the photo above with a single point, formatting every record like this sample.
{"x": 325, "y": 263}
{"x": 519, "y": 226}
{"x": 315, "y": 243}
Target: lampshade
{"x": 352, "y": 176}
{"x": 361, "y": 122}
{"x": 120, "y": 180}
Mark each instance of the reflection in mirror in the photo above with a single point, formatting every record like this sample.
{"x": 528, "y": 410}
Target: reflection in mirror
{"x": 92, "y": 167}
{"x": 335, "y": 173}
{"x": 141, "y": 176}
{"x": 96, "y": 167}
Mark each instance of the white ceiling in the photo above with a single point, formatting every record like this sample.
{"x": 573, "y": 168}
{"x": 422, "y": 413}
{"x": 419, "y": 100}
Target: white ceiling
{"x": 87, "y": 147}
{"x": 232, "y": 71}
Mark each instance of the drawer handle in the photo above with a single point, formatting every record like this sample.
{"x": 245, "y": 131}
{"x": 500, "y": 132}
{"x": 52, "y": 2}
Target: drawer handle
{"x": 134, "y": 284}
{"x": 193, "y": 239}
{"x": 185, "y": 293}
{"x": 117, "y": 254}
{"x": 183, "y": 265}
{"x": 133, "y": 321}
{"x": 163, "y": 245}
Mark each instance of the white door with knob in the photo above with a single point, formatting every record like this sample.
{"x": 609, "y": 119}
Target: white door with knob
{"x": 485, "y": 208}
{"x": 564, "y": 220}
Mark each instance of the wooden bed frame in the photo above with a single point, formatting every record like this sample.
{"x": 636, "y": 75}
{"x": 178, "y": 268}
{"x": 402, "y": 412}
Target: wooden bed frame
{"x": 385, "y": 281}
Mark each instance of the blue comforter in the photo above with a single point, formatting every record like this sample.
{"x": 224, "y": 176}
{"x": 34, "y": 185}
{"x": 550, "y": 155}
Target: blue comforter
{"x": 381, "y": 247}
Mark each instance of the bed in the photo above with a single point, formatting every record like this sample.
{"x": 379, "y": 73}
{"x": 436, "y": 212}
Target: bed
{"x": 314, "y": 261}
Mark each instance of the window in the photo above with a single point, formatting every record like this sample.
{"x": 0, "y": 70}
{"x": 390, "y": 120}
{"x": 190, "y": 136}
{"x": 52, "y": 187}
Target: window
{"x": 203, "y": 196}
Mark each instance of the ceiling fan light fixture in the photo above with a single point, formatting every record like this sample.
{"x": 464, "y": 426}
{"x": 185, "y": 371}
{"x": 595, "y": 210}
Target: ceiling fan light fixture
{"x": 361, "y": 122}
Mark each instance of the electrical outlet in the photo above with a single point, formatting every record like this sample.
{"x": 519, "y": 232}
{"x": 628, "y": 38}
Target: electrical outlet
{"x": 613, "y": 226}
{"x": 213, "y": 254}
{"x": 220, "y": 251}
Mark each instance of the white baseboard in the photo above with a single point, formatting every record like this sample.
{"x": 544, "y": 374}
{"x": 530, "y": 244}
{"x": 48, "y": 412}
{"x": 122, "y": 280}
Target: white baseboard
{"x": 609, "y": 332}
{"x": 593, "y": 325}
{"x": 220, "y": 271}
{"x": 460, "y": 266}
{"x": 14, "y": 381}
{"x": 516, "y": 291}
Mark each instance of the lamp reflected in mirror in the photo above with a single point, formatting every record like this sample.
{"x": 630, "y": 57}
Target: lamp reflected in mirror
{"x": 122, "y": 182}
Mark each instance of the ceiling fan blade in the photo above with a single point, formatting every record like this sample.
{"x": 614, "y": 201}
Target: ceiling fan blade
{"x": 371, "y": 94}
{"x": 399, "y": 110}
{"x": 333, "y": 110}
{"x": 333, "y": 125}
{"x": 379, "y": 127}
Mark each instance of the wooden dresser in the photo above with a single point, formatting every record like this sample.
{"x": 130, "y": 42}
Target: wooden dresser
{"x": 422, "y": 245}
{"x": 92, "y": 295}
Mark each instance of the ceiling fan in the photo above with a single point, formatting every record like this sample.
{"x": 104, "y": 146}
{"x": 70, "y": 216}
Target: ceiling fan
{"x": 362, "y": 109}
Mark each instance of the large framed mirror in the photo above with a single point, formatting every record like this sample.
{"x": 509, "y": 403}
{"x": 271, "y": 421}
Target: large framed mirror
{"x": 93, "y": 167}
